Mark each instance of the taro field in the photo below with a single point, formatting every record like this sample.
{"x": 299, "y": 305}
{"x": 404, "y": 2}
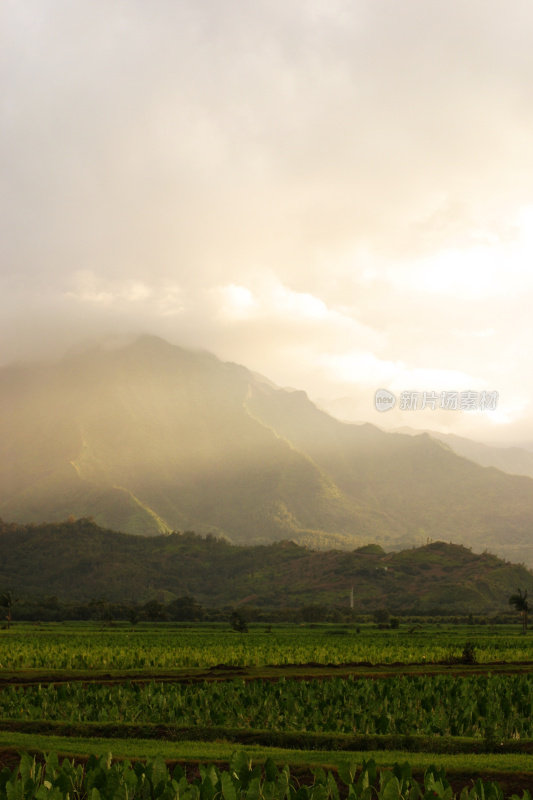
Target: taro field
{"x": 160, "y": 647}
{"x": 322, "y": 699}
{"x": 441, "y": 705}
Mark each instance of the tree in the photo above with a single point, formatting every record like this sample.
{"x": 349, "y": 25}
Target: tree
{"x": 7, "y": 601}
{"x": 184, "y": 609}
{"x": 519, "y": 601}
{"x": 154, "y": 611}
{"x": 237, "y": 622}
{"x": 101, "y": 609}
{"x": 381, "y": 616}
{"x": 133, "y": 615}
{"x": 313, "y": 613}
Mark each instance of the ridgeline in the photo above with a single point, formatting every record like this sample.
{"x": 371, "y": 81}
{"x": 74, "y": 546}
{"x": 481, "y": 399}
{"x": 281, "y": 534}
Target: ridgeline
{"x": 77, "y": 561}
{"x": 151, "y": 438}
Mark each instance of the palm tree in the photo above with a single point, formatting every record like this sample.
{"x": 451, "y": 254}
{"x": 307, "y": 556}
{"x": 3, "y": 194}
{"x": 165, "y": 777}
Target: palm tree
{"x": 519, "y": 601}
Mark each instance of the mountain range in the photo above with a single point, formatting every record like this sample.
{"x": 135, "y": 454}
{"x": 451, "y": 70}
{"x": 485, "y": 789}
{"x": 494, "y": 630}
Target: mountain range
{"x": 149, "y": 438}
{"x": 514, "y": 460}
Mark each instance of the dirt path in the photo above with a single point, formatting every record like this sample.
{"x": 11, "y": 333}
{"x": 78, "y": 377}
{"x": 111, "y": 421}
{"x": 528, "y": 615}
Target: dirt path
{"x": 224, "y": 672}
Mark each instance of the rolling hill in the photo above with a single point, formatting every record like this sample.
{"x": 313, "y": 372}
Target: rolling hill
{"x": 78, "y": 561}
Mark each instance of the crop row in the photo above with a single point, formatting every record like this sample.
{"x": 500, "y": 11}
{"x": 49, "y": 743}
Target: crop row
{"x": 172, "y": 649}
{"x": 478, "y": 706}
{"x": 102, "y": 779}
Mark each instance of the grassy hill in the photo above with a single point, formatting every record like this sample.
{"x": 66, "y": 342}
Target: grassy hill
{"x": 78, "y": 561}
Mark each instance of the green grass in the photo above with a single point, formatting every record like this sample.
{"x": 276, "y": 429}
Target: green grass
{"x": 245, "y": 737}
{"x": 191, "y": 751}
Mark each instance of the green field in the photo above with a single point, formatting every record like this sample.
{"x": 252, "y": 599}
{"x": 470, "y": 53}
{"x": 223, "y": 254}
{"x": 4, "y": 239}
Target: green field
{"x": 308, "y": 696}
{"x": 101, "y": 778}
{"x": 68, "y": 647}
{"x": 440, "y": 705}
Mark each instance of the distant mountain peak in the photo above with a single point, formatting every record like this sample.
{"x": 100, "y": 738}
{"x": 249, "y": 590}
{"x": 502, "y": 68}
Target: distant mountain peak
{"x": 147, "y": 436}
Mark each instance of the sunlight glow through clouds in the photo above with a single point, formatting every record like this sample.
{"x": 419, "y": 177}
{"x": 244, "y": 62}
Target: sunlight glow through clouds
{"x": 234, "y": 302}
{"x": 366, "y": 369}
{"x": 336, "y": 195}
{"x": 470, "y": 274}
{"x": 481, "y": 270}
{"x": 487, "y": 267}
{"x": 335, "y": 350}
{"x": 271, "y": 298}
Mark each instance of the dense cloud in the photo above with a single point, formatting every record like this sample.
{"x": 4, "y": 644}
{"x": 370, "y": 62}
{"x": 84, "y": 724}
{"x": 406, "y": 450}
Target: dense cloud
{"x": 336, "y": 194}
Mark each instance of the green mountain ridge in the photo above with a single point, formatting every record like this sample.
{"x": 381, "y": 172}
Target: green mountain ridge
{"x": 78, "y": 561}
{"x": 151, "y": 437}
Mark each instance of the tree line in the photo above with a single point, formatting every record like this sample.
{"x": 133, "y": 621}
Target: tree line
{"x": 188, "y": 609}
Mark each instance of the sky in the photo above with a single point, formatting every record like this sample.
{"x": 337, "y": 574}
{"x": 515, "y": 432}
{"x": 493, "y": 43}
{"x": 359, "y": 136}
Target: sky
{"x": 336, "y": 194}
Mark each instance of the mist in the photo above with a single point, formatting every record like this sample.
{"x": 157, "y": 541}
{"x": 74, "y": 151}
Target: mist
{"x": 338, "y": 196}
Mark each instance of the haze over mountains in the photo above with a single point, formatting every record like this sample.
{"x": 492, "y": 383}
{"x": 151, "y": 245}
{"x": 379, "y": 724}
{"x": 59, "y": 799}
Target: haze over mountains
{"x": 149, "y": 438}
{"x": 514, "y": 460}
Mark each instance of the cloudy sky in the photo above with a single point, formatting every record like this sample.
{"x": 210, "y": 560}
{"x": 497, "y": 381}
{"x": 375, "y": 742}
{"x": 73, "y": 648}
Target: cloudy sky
{"x": 337, "y": 194}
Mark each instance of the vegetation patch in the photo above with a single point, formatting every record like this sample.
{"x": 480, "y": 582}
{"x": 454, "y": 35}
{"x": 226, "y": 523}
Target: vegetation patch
{"x": 269, "y": 738}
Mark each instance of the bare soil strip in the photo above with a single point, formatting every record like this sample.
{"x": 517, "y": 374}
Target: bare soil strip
{"x": 224, "y": 672}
